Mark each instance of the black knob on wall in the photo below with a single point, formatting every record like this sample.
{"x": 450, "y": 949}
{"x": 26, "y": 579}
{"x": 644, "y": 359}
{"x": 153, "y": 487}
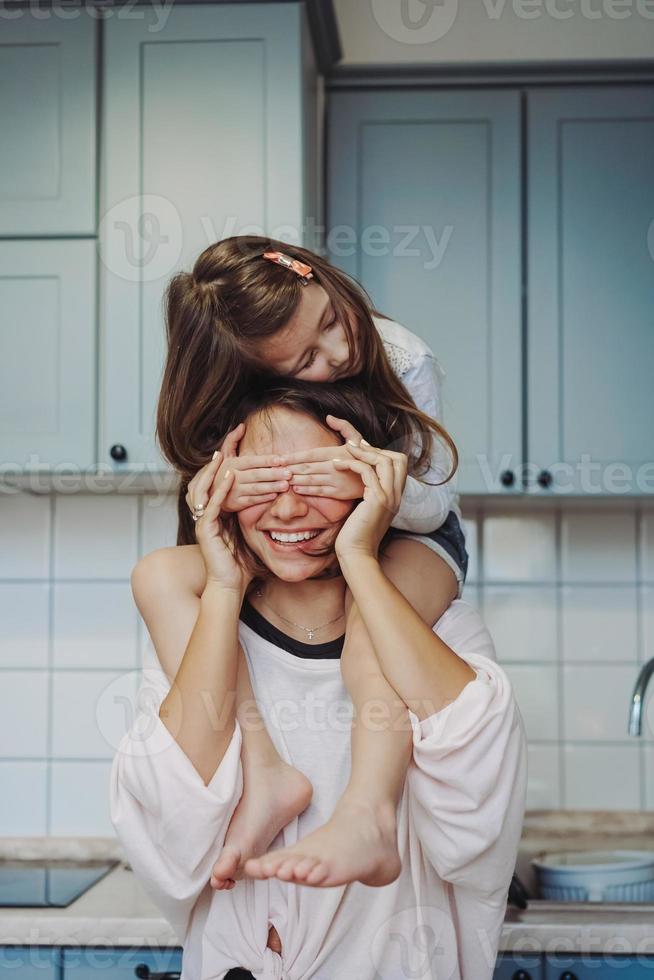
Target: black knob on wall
{"x": 507, "y": 478}
{"x": 521, "y": 975}
{"x": 568, "y": 976}
{"x": 544, "y": 479}
{"x": 118, "y": 452}
{"x": 143, "y": 972}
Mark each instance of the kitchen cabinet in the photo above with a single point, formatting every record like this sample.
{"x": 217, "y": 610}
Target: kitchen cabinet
{"x": 47, "y": 120}
{"x": 128, "y": 963}
{"x": 562, "y": 966}
{"x": 607, "y": 967}
{"x": 209, "y": 127}
{"x": 30, "y": 962}
{"x": 538, "y": 302}
{"x": 517, "y": 966}
{"x": 591, "y": 289}
{"x": 47, "y": 354}
{"x": 424, "y": 210}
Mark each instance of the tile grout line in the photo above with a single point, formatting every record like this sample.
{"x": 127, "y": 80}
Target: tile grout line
{"x": 49, "y": 775}
{"x": 558, "y": 612}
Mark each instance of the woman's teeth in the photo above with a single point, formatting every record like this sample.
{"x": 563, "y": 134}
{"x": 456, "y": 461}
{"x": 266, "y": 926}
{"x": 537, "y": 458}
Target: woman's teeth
{"x": 293, "y": 537}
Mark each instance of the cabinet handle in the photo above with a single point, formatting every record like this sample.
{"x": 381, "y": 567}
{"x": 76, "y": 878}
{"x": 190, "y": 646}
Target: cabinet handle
{"x": 142, "y": 971}
{"x": 507, "y": 478}
{"x": 521, "y": 975}
{"x": 544, "y": 479}
{"x": 118, "y": 452}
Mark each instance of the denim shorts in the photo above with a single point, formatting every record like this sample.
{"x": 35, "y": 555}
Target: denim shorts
{"x": 238, "y": 973}
{"x": 447, "y": 541}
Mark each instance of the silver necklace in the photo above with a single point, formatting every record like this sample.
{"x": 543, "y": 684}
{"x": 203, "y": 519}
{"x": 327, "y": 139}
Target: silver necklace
{"x": 309, "y": 630}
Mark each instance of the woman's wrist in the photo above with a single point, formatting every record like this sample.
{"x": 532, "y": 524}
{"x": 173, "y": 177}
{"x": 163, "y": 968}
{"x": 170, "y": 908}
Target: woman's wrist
{"x": 218, "y": 593}
{"x": 356, "y": 565}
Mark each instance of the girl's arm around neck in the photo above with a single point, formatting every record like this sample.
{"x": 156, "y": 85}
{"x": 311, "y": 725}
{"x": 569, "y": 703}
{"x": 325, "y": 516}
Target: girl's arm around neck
{"x": 426, "y": 673}
{"x": 199, "y": 710}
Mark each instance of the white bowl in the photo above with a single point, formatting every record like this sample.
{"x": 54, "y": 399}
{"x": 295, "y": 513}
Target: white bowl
{"x": 596, "y": 876}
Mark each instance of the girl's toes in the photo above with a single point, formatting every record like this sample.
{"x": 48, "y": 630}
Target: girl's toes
{"x": 317, "y": 874}
{"x": 303, "y": 867}
{"x": 286, "y": 869}
{"x": 270, "y": 864}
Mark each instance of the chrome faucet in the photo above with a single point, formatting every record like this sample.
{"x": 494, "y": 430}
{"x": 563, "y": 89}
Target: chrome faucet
{"x": 637, "y": 698}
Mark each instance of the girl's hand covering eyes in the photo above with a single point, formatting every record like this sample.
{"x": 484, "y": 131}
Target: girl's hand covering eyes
{"x": 384, "y": 475}
{"x": 316, "y": 474}
{"x": 257, "y": 479}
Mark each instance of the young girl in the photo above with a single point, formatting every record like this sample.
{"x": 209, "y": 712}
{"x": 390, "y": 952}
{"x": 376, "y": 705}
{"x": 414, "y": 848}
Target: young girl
{"x": 254, "y": 306}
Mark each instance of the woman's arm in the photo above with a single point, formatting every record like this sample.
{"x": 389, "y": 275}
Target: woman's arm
{"x": 170, "y": 816}
{"x": 467, "y": 779}
{"x": 426, "y": 673}
{"x": 199, "y": 709}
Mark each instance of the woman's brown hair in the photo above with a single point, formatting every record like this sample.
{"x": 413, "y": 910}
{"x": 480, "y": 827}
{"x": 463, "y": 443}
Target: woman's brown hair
{"x": 217, "y": 315}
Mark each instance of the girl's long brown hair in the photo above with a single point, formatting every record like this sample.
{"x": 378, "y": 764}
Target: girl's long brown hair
{"x": 217, "y": 315}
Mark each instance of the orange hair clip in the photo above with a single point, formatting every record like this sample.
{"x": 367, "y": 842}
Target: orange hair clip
{"x": 303, "y": 270}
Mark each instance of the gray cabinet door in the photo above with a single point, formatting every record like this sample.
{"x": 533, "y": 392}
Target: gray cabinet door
{"x": 589, "y": 967}
{"x": 47, "y": 121}
{"x": 91, "y": 962}
{"x": 591, "y": 289}
{"x": 47, "y": 354}
{"x": 517, "y": 966}
{"x": 30, "y": 962}
{"x": 204, "y": 137}
{"x": 424, "y": 210}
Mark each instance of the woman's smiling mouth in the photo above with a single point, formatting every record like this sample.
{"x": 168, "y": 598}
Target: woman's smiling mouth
{"x": 298, "y": 540}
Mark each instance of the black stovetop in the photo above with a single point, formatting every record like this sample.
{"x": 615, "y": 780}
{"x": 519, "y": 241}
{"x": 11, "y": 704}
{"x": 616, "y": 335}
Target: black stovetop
{"x": 48, "y": 883}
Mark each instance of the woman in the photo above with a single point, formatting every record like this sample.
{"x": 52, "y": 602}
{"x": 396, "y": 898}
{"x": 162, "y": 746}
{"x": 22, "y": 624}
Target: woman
{"x": 177, "y": 776}
{"x": 247, "y": 308}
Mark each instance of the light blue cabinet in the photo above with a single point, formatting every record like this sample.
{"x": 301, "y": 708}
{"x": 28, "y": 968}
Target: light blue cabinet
{"x": 209, "y": 131}
{"x": 589, "y": 967}
{"x": 47, "y": 121}
{"x": 424, "y": 210}
{"x": 129, "y": 963}
{"x": 47, "y": 354}
{"x": 591, "y": 290}
{"x": 516, "y": 966}
{"x": 30, "y": 962}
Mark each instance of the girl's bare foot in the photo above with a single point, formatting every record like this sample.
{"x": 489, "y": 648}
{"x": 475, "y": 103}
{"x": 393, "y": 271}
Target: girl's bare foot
{"x": 272, "y": 796}
{"x": 358, "y": 843}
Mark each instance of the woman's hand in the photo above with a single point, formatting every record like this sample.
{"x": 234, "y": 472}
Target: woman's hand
{"x": 257, "y": 479}
{"x": 217, "y": 550}
{"x": 314, "y": 472}
{"x": 383, "y": 473}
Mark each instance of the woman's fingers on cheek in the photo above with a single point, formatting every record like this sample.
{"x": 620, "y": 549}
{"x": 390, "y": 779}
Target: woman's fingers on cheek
{"x": 221, "y": 491}
{"x": 346, "y": 428}
{"x": 369, "y": 454}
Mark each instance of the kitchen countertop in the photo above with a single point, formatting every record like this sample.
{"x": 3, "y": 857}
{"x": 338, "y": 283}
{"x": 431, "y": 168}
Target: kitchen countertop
{"x": 117, "y": 912}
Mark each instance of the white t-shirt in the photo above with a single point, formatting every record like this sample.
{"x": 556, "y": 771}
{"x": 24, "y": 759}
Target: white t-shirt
{"x": 459, "y": 825}
{"x": 423, "y": 507}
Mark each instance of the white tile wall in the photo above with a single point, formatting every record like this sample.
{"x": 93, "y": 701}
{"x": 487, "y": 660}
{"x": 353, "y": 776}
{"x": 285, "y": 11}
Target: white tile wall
{"x": 567, "y": 593}
{"x": 599, "y": 623}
